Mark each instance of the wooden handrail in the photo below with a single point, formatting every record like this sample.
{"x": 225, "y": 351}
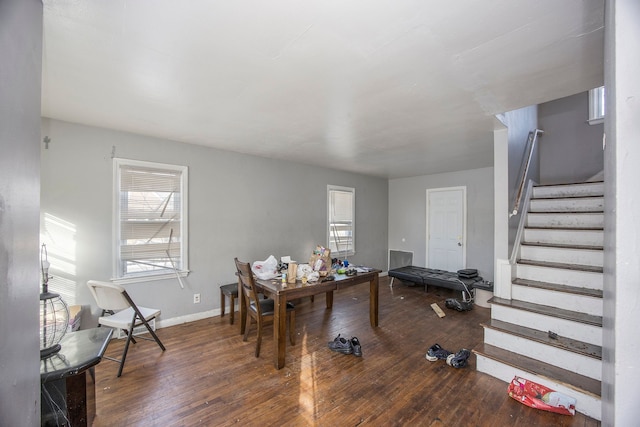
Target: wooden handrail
{"x": 531, "y": 143}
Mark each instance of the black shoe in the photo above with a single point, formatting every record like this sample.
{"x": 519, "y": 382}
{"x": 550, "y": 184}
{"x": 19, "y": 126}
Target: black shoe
{"x": 341, "y": 345}
{"x": 459, "y": 360}
{"x": 357, "y": 348}
{"x": 436, "y": 352}
{"x": 458, "y": 305}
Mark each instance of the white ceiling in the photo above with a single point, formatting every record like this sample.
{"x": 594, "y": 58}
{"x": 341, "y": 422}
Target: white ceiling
{"x": 387, "y": 88}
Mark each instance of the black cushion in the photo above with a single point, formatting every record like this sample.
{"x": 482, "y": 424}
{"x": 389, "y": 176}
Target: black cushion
{"x": 468, "y": 273}
{"x": 434, "y": 277}
{"x": 267, "y": 306}
{"x": 230, "y": 289}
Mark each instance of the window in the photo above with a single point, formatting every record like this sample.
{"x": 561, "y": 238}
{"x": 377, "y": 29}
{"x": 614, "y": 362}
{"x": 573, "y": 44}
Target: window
{"x": 150, "y": 220}
{"x": 341, "y": 220}
{"x": 596, "y": 105}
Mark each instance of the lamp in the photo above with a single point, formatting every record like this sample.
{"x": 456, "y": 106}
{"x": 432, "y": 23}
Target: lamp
{"x": 54, "y": 314}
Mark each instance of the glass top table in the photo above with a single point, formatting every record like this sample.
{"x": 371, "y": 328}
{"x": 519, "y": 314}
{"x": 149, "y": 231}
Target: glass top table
{"x": 79, "y": 351}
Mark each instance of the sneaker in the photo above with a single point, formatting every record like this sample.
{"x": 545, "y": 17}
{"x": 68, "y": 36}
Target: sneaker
{"x": 459, "y": 360}
{"x": 341, "y": 345}
{"x": 357, "y": 348}
{"x": 436, "y": 352}
{"x": 458, "y": 305}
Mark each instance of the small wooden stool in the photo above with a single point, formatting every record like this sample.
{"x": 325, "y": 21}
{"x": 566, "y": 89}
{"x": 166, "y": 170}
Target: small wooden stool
{"x": 230, "y": 290}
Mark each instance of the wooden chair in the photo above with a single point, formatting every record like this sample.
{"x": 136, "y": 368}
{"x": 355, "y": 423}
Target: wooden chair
{"x": 230, "y": 290}
{"x": 123, "y": 314}
{"x": 260, "y": 310}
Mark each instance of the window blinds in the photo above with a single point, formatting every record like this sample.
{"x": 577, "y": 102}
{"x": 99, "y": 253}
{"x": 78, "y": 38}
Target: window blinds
{"x": 341, "y": 212}
{"x": 150, "y": 219}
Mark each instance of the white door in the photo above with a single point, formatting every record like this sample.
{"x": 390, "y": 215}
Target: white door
{"x": 446, "y": 228}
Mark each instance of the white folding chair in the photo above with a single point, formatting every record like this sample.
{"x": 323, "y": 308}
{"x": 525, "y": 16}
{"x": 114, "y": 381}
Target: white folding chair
{"x": 123, "y": 314}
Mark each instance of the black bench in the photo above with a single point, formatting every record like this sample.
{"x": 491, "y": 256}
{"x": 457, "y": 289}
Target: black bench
{"x": 440, "y": 278}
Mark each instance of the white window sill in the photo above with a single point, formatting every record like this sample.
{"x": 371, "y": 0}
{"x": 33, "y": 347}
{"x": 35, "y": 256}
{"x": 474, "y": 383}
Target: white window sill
{"x": 342, "y": 255}
{"x": 149, "y": 277}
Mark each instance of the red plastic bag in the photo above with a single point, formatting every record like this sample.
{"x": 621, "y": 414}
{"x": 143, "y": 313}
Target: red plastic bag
{"x": 538, "y": 396}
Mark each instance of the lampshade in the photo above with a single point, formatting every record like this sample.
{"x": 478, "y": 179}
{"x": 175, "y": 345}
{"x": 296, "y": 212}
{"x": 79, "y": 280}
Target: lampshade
{"x": 54, "y": 314}
{"x": 54, "y": 319}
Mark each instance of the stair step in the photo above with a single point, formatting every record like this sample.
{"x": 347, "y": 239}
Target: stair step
{"x": 595, "y": 188}
{"x": 568, "y": 255}
{"x": 563, "y": 300}
{"x": 564, "y": 246}
{"x": 566, "y": 327}
{"x": 574, "y": 267}
{"x": 564, "y": 236}
{"x": 559, "y": 357}
{"x": 567, "y": 204}
{"x": 564, "y": 274}
{"x": 595, "y": 293}
{"x": 582, "y": 220}
{"x": 574, "y": 381}
{"x": 546, "y": 310}
{"x": 564, "y": 343}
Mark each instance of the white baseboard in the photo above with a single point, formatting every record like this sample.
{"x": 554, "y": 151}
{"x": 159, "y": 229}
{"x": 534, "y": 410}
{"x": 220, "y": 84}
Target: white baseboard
{"x": 165, "y": 323}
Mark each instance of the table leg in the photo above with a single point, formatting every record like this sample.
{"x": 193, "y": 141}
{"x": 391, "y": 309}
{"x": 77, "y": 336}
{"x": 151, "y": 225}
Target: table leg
{"x": 77, "y": 400}
{"x": 373, "y": 301}
{"x": 242, "y": 308}
{"x": 279, "y": 330}
{"x": 329, "y": 299}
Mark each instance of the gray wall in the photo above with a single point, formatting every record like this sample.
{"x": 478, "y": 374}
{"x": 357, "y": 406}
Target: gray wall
{"x": 571, "y": 149}
{"x": 21, "y": 53}
{"x": 239, "y": 205}
{"x": 621, "y": 376}
{"x": 519, "y": 123}
{"x": 407, "y": 215}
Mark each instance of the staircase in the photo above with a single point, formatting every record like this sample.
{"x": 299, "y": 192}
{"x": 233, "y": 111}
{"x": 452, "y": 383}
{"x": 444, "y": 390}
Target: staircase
{"x": 550, "y": 331}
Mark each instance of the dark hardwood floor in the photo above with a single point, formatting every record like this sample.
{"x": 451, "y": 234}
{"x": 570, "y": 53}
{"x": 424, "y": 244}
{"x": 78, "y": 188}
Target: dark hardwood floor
{"x": 209, "y": 377}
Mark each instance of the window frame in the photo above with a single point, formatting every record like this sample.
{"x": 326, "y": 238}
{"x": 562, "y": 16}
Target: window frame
{"x": 350, "y": 251}
{"x": 596, "y": 105}
{"x": 182, "y": 268}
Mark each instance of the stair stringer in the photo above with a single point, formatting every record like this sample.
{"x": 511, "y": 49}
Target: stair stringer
{"x": 539, "y": 309}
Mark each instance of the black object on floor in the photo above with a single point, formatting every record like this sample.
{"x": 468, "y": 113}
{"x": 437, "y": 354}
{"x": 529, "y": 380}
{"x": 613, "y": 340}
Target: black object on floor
{"x": 459, "y": 360}
{"x": 357, "y": 348}
{"x": 436, "y": 352}
{"x": 455, "y": 304}
{"x": 341, "y": 345}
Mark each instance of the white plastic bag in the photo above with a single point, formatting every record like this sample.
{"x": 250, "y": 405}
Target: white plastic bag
{"x": 303, "y": 270}
{"x": 267, "y": 269}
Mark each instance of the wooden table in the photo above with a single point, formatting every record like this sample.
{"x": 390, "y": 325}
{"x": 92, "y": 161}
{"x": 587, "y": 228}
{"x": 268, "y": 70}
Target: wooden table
{"x": 281, "y": 294}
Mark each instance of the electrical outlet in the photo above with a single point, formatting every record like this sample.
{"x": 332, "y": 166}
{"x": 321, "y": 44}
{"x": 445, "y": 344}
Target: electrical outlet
{"x": 196, "y": 298}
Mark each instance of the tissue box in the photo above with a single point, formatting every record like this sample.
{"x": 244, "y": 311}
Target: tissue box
{"x": 75, "y": 314}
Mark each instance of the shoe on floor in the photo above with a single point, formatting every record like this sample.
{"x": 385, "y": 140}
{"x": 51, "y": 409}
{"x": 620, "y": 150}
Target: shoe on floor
{"x": 459, "y": 360}
{"x": 458, "y": 305}
{"x": 357, "y": 348}
{"x": 436, "y": 352}
{"x": 335, "y": 341}
{"x": 341, "y": 345}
